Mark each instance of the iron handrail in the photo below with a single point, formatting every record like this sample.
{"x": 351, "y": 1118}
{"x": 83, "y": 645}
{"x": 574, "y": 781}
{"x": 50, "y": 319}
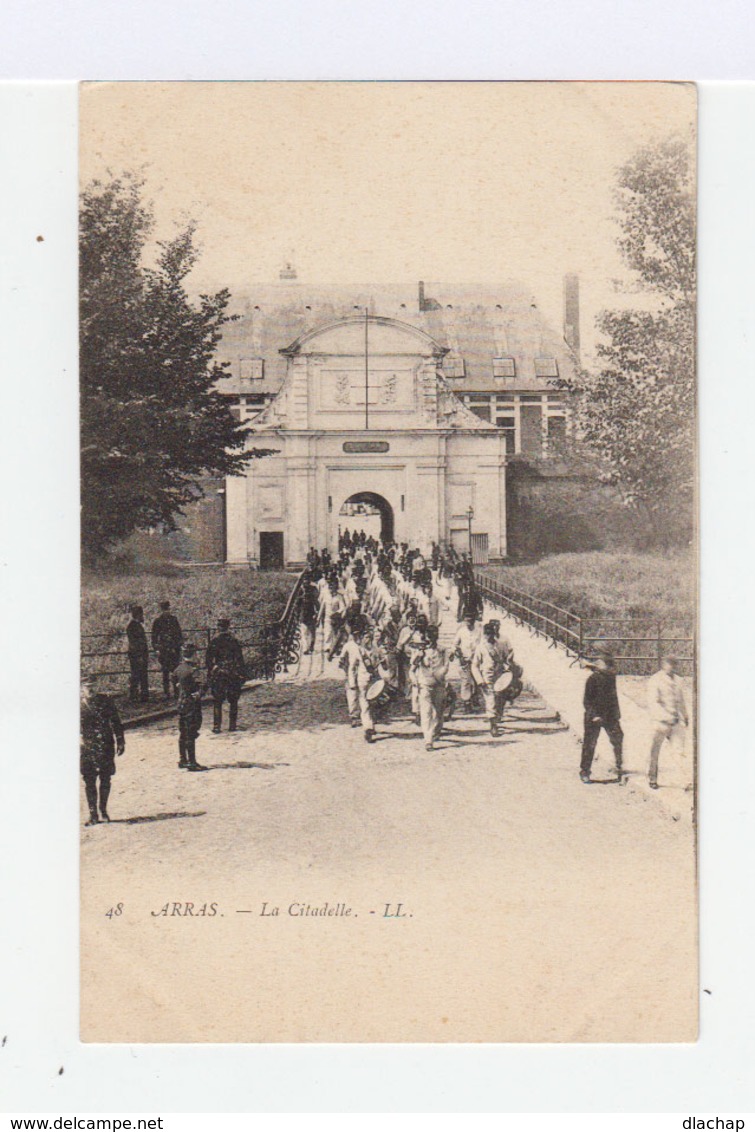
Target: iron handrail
{"x": 577, "y": 633}
{"x": 276, "y": 645}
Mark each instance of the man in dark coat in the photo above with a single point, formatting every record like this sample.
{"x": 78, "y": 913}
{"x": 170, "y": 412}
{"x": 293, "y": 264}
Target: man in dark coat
{"x": 309, "y": 610}
{"x": 167, "y": 639}
{"x": 602, "y": 710}
{"x": 138, "y": 656}
{"x": 226, "y": 673}
{"x": 189, "y": 692}
{"x": 101, "y": 738}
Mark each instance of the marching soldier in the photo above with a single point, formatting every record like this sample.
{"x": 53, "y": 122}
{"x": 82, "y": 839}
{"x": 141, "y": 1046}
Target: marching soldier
{"x": 412, "y": 647}
{"x": 465, "y": 645}
{"x": 189, "y": 692}
{"x": 101, "y": 739}
{"x": 349, "y": 662}
{"x": 138, "y": 656}
{"x": 226, "y": 673}
{"x": 167, "y": 639}
{"x": 491, "y": 659}
{"x": 332, "y": 612}
{"x": 360, "y": 672}
{"x": 431, "y": 668}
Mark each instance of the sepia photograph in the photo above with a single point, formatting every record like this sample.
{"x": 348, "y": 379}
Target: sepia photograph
{"x": 388, "y": 423}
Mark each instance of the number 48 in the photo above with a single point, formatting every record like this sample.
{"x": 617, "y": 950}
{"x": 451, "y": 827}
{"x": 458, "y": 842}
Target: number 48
{"x": 116, "y": 911}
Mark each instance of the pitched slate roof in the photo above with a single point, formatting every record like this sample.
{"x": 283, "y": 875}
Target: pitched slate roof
{"x": 476, "y": 323}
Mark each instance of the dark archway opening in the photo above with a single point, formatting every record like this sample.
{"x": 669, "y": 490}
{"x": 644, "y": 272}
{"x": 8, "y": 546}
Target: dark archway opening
{"x": 367, "y": 511}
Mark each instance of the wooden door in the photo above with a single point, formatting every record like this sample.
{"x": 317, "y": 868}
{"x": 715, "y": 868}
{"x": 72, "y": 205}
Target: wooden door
{"x": 271, "y": 550}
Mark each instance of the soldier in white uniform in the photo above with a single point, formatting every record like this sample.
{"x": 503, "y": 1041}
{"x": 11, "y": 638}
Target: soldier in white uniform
{"x": 431, "y": 668}
{"x": 416, "y": 642}
{"x": 465, "y": 645}
{"x": 493, "y": 656}
{"x": 332, "y": 611}
{"x": 349, "y": 662}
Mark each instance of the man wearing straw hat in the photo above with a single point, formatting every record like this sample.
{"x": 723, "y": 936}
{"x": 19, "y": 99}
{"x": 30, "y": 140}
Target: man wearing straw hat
{"x": 601, "y": 703}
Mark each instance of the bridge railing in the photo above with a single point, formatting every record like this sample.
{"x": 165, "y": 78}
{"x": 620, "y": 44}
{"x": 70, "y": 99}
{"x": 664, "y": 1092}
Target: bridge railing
{"x": 268, "y": 649}
{"x": 637, "y": 643}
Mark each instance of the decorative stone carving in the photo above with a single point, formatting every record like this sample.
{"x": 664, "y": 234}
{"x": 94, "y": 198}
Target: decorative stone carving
{"x": 343, "y": 389}
{"x": 388, "y": 391}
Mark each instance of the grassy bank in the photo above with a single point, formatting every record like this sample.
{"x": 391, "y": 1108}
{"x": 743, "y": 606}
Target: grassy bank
{"x": 198, "y": 596}
{"x": 609, "y": 584}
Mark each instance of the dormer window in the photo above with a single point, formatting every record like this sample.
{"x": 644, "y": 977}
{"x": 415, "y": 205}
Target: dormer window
{"x": 546, "y": 367}
{"x": 251, "y": 369}
{"x": 453, "y": 365}
{"x": 504, "y": 367}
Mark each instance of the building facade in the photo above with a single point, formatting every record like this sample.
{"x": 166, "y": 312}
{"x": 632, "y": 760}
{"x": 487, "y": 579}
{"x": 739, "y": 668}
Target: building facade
{"x": 395, "y": 408}
{"x": 365, "y": 424}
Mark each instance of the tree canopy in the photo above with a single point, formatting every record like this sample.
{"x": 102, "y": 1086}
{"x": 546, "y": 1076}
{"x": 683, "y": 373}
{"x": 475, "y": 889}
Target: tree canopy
{"x": 152, "y": 421}
{"x": 637, "y": 412}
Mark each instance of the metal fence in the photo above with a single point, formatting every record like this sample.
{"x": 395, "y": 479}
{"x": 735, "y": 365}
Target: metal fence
{"x": 638, "y": 643}
{"x": 268, "y": 649}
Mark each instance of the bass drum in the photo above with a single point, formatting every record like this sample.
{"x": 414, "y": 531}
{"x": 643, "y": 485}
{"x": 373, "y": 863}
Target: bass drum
{"x": 504, "y": 682}
{"x": 378, "y": 694}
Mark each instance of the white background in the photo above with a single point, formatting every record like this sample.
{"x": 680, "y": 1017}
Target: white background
{"x": 39, "y": 547}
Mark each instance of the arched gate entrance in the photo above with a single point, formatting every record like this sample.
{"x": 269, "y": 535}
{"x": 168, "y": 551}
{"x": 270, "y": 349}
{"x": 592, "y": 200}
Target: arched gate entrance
{"x": 370, "y": 512}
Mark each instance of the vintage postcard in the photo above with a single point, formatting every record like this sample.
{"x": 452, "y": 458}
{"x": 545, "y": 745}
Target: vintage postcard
{"x": 388, "y": 675}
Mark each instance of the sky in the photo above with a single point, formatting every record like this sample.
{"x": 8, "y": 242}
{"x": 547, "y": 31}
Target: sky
{"x": 388, "y": 182}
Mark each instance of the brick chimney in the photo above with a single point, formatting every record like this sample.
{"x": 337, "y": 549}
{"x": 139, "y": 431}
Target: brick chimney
{"x": 571, "y": 313}
{"x": 426, "y": 304}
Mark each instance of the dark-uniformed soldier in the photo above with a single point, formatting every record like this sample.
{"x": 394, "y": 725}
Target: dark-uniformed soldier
{"x": 167, "y": 639}
{"x": 101, "y": 737}
{"x": 226, "y": 673}
{"x": 138, "y": 656}
{"x": 189, "y": 692}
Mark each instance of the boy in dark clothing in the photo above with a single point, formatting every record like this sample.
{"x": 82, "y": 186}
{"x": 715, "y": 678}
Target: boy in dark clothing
{"x": 602, "y": 710}
{"x": 189, "y": 692}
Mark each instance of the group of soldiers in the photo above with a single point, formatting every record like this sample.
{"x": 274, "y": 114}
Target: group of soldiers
{"x": 102, "y": 734}
{"x": 378, "y": 607}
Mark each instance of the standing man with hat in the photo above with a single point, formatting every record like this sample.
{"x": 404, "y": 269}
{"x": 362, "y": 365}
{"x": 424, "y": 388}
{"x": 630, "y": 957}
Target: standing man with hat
{"x": 101, "y": 738}
{"x": 138, "y": 656}
{"x": 226, "y": 673}
{"x": 167, "y": 639}
{"x": 189, "y": 692}
{"x": 668, "y": 712}
{"x": 601, "y": 703}
{"x": 492, "y": 658}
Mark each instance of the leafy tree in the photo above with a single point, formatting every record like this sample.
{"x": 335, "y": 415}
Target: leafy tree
{"x": 637, "y": 412}
{"x": 152, "y": 423}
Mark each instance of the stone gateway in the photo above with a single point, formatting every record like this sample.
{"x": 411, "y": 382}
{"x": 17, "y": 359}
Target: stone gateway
{"x": 366, "y": 428}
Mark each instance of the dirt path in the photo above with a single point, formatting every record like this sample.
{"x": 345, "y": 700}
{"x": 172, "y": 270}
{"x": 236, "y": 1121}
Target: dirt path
{"x": 535, "y": 908}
